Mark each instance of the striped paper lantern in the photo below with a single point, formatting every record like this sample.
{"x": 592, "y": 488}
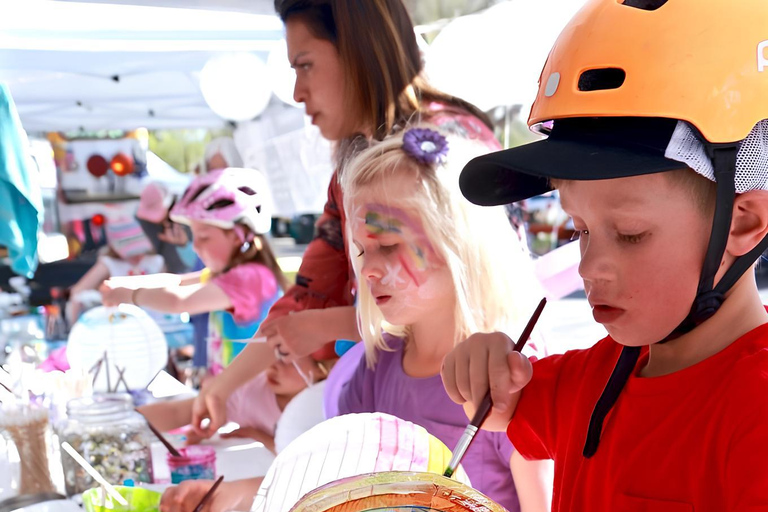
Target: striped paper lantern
{"x": 377, "y": 446}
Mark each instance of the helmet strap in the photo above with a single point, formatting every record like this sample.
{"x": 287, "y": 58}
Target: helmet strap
{"x": 709, "y": 298}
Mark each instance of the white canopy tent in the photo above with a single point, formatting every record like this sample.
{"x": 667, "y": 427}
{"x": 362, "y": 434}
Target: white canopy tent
{"x": 73, "y": 65}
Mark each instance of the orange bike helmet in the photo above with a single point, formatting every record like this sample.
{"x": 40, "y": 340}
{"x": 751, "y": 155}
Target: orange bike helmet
{"x": 637, "y": 87}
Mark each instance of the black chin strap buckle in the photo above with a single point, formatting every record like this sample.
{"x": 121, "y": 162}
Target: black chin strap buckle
{"x": 706, "y": 305}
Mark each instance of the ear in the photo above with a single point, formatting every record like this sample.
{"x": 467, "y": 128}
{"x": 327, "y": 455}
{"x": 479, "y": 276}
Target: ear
{"x": 750, "y": 222}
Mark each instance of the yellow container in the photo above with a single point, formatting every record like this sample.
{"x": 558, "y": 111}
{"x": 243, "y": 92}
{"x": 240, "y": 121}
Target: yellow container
{"x": 138, "y": 498}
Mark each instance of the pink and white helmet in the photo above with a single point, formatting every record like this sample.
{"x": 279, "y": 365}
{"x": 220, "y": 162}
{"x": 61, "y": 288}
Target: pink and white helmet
{"x": 225, "y": 198}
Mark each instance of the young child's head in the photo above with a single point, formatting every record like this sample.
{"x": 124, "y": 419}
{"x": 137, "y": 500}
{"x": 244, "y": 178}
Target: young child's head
{"x": 642, "y": 100}
{"x": 420, "y": 250}
{"x": 289, "y": 379}
{"x": 126, "y": 239}
{"x": 228, "y": 212}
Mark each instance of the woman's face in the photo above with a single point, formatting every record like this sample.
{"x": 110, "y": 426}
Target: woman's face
{"x": 319, "y": 81}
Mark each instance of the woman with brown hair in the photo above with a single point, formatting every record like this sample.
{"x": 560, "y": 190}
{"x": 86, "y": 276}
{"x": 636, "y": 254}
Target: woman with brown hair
{"x": 359, "y": 74}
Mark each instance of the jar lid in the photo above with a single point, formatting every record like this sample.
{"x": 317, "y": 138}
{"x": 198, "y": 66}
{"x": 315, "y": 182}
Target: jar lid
{"x": 195, "y": 454}
{"x": 97, "y": 407}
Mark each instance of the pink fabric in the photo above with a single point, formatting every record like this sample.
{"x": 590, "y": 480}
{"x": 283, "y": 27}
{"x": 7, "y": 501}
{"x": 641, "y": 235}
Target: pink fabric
{"x": 57, "y": 360}
{"x": 254, "y": 405}
{"x": 250, "y": 287}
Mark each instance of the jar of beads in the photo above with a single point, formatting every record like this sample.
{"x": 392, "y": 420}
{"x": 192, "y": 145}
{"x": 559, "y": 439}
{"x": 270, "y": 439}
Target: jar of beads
{"x": 195, "y": 463}
{"x": 111, "y": 436}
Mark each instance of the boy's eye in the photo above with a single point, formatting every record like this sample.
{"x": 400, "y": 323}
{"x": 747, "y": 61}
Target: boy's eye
{"x": 632, "y": 239}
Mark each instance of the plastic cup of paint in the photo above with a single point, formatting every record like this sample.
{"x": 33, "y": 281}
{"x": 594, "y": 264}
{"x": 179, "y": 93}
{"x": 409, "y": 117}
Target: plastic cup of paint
{"x": 195, "y": 463}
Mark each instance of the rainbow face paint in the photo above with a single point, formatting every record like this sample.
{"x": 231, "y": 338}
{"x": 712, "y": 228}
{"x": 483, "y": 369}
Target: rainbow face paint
{"x": 381, "y": 220}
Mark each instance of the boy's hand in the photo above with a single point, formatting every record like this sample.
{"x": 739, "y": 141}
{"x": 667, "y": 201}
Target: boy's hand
{"x": 483, "y": 361}
{"x": 185, "y": 497}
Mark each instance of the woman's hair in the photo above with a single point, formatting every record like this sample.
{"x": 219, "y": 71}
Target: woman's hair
{"x": 378, "y": 49}
{"x": 491, "y": 271}
{"x": 259, "y": 251}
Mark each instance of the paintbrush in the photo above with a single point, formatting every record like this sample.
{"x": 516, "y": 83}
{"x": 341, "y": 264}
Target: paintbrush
{"x": 485, "y": 406}
{"x": 208, "y": 495}
{"x": 161, "y": 437}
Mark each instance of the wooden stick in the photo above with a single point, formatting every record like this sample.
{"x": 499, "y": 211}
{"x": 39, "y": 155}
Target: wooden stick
{"x": 95, "y": 474}
{"x": 106, "y": 364}
{"x": 121, "y": 378}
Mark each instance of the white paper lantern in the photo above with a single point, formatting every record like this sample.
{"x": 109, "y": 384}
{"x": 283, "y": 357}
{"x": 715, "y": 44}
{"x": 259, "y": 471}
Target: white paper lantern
{"x": 129, "y": 336}
{"x": 236, "y": 86}
{"x": 282, "y": 77}
{"x": 495, "y": 58}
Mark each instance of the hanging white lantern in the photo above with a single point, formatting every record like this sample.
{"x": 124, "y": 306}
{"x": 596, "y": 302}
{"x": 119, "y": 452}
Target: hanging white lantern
{"x": 236, "y": 86}
{"x": 281, "y": 76}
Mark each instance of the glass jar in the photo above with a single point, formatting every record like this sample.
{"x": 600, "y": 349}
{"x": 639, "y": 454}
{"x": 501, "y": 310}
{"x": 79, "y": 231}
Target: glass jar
{"x": 195, "y": 463}
{"x": 26, "y": 426}
{"x": 111, "y": 436}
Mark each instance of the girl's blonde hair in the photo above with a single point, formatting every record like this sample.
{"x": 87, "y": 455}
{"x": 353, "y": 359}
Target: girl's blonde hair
{"x": 496, "y": 289}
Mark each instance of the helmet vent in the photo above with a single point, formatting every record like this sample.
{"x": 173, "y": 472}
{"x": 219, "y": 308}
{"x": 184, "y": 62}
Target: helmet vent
{"x": 247, "y": 190}
{"x": 646, "y": 5}
{"x": 221, "y": 203}
{"x": 601, "y": 79}
{"x": 193, "y": 197}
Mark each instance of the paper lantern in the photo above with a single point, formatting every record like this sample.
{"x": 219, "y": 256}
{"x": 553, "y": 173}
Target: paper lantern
{"x": 282, "y": 77}
{"x": 131, "y": 339}
{"x": 398, "y": 491}
{"x": 236, "y": 86}
{"x": 121, "y": 164}
{"x": 495, "y": 58}
{"x": 348, "y": 446}
{"x": 97, "y": 165}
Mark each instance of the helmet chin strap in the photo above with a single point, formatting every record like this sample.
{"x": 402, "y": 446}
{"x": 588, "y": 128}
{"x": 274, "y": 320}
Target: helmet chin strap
{"x": 709, "y": 297}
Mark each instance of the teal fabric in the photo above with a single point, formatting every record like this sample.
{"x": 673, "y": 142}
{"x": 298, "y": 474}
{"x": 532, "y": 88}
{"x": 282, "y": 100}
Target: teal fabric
{"x": 21, "y": 201}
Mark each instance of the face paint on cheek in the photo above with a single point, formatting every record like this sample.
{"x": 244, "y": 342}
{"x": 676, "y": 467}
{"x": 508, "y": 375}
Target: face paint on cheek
{"x": 393, "y": 277}
{"x": 410, "y": 272}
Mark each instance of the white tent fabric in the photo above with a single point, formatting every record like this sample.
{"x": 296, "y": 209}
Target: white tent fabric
{"x": 73, "y": 65}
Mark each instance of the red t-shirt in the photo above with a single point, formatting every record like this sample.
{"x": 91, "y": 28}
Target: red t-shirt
{"x": 696, "y": 439}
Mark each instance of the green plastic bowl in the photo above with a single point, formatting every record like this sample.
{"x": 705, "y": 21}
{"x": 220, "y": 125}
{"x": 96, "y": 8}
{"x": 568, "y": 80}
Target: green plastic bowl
{"x": 138, "y": 498}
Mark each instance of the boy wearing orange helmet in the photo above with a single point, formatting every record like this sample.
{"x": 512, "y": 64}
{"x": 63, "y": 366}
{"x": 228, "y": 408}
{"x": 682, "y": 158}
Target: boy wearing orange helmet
{"x": 657, "y": 116}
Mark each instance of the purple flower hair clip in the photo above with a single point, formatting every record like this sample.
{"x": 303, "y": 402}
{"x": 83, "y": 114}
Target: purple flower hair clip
{"x": 425, "y": 145}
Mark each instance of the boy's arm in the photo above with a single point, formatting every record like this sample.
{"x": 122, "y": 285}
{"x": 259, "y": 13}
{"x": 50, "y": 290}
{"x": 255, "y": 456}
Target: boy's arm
{"x": 533, "y": 481}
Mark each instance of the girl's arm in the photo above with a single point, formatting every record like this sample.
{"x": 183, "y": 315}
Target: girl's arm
{"x": 92, "y": 279}
{"x": 168, "y": 415}
{"x": 192, "y": 299}
{"x": 161, "y": 280}
{"x": 211, "y": 403}
{"x": 533, "y": 481}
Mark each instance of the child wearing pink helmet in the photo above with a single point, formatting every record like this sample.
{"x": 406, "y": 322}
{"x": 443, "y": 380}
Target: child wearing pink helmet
{"x": 228, "y": 213}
